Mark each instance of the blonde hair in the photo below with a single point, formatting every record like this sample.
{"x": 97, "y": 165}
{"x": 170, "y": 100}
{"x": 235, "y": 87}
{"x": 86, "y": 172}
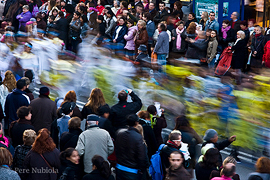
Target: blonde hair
{"x": 29, "y": 137}
{"x": 205, "y": 17}
{"x": 9, "y": 81}
{"x": 142, "y": 22}
{"x": 95, "y": 100}
{"x": 242, "y": 34}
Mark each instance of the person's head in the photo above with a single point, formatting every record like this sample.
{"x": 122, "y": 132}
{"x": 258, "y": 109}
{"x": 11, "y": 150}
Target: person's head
{"x": 24, "y": 113}
{"x": 177, "y": 5}
{"x": 141, "y": 24}
{"x": 191, "y": 16}
{"x": 191, "y": 28}
{"x": 116, "y": 4}
{"x": 225, "y": 23}
{"x": 104, "y": 111}
{"x": 240, "y": 35}
{"x": 180, "y": 122}
{"x": 123, "y": 4}
{"x": 29, "y": 137}
{"x": 25, "y": 8}
{"x": 146, "y": 16}
{"x": 243, "y": 25}
{"x": 83, "y": 19}
{"x": 71, "y": 155}
{"x": 67, "y": 108}
{"x": 76, "y": 15}
{"x": 110, "y": 14}
{"x": 263, "y": 165}
{"x": 132, "y": 120}
{"x": 74, "y": 123}
{"x": 95, "y": 100}
{"x": 144, "y": 115}
{"x": 176, "y": 160}
{"x": 5, "y": 157}
{"x": 152, "y": 6}
{"x": 102, "y": 166}
{"x": 180, "y": 25}
{"x": 251, "y": 23}
{"x": 28, "y": 47}
{"x": 51, "y": 18}
{"x": 201, "y": 35}
{"x": 139, "y": 9}
{"x": 161, "y": 6}
{"x": 204, "y": 15}
{"x": 234, "y": 15}
{"x": 211, "y": 158}
{"x": 152, "y": 109}
{"x": 161, "y": 27}
{"x": 258, "y": 29}
{"x": 213, "y": 33}
{"x": 176, "y": 137}
{"x": 130, "y": 23}
{"x": 63, "y": 3}
{"x": 229, "y": 170}
{"x": 100, "y": 19}
{"x": 9, "y": 80}
{"x": 55, "y": 12}
{"x": 212, "y": 16}
{"x": 229, "y": 159}
{"x": 21, "y": 84}
{"x": 70, "y": 96}
{"x": 211, "y": 135}
{"x": 44, "y": 91}
{"x": 122, "y": 96}
{"x": 44, "y": 142}
{"x": 27, "y": 81}
{"x": 122, "y": 21}
{"x": 208, "y": 32}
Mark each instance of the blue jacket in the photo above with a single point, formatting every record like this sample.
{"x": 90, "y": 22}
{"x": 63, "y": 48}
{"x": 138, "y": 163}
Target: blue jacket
{"x": 123, "y": 31}
{"x": 62, "y": 125}
{"x": 162, "y": 45}
{"x": 213, "y": 25}
{"x": 150, "y": 28}
{"x": 14, "y": 101}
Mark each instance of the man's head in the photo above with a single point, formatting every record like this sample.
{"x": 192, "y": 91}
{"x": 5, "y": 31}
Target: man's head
{"x": 132, "y": 120}
{"x": 201, "y": 35}
{"x": 92, "y": 119}
{"x": 234, "y": 15}
{"x": 45, "y": 91}
{"x": 74, "y": 123}
{"x": 27, "y": 81}
{"x": 24, "y": 113}
{"x": 152, "y": 109}
{"x": 176, "y": 160}
{"x": 161, "y": 6}
{"x": 28, "y": 47}
{"x": 161, "y": 27}
{"x": 104, "y": 111}
{"x": 139, "y": 9}
{"x": 229, "y": 170}
{"x": 191, "y": 16}
{"x": 21, "y": 84}
{"x": 211, "y": 135}
{"x": 146, "y": 16}
{"x": 122, "y": 96}
{"x": 175, "y": 136}
{"x": 152, "y": 6}
{"x": 212, "y": 16}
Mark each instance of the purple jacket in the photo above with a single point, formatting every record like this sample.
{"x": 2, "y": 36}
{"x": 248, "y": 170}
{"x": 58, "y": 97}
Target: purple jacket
{"x": 129, "y": 37}
{"x": 25, "y": 18}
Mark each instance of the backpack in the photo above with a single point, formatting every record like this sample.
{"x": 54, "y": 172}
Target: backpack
{"x": 155, "y": 168}
{"x": 35, "y": 11}
{"x": 266, "y": 55}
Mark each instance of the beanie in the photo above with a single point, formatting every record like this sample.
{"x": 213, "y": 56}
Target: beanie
{"x": 209, "y": 134}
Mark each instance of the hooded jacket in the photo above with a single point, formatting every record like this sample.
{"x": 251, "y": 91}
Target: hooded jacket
{"x": 129, "y": 37}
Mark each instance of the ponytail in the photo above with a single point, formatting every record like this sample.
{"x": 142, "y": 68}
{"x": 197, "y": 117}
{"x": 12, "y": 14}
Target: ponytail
{"x": 102, "y": 166}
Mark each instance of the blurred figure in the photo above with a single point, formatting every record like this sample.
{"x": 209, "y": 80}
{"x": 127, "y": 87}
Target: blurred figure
{"x": 244, "y": 27}
{"x": 24, "y": 17}
{"x": 5, "y": 164}
{"x": 177, "y": 10}
{"x": 28, "y": 92}
{"x": 101, "y": 170}
{"x": 227, "y": 172}
{"x": 118, "y": 36}
{"x": 235, "y": 22}
{"x": 62, "y": 27}
{"x": 212, "y": 23}
{"x": 152, "y": 10}
{"x": 75, "y": 31}
{"x": 100, "y": 6}
{"x": 176, "y": 169}
{"x": 178, "y": 38}
{"x": 142, "y": 53}
{"x": 123, "y": 6}
{"x": 251, "y": 23}
{"x": 204, "y": 19}
{"x": 262, "y": 169}
{"x": 150, "y": 28}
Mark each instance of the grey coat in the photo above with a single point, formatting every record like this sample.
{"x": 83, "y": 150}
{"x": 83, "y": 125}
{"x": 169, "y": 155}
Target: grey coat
{"x": 162, "y": 45}
{"x": 8, "y": 174}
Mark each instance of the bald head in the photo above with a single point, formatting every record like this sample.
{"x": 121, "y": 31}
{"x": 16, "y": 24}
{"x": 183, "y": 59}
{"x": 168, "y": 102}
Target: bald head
{"x": 229, "y": 170}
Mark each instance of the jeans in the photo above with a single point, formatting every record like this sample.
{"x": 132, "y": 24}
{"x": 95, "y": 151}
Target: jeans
{"x": 161, "y": 58}
{"x": 212, "y": 63}
{"x": 123, "y": 175}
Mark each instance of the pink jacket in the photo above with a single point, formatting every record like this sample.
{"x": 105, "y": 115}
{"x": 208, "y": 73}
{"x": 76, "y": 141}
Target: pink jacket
{"x": 221, "y": 178}
{"x": 129, "y": 37}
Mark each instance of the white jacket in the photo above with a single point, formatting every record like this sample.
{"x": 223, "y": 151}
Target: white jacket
{"x": 184, "y": 150}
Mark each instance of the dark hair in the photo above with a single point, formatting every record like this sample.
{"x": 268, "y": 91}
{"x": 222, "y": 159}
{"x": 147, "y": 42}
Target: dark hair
{"x": 153, "y": 3}
{"x": 61, "y": 14}
{"x": 66, "y": 153}
{"x": 244, "y": 23}
{"x": 192, "y": 14}
{"x": 55, "y": 10}
{"x": 212, "y": 13}
{"x": 162, "y": 3}
{"x": 226, "y": 21}
{"x": 181, "y": 121}
{"x": 20, "y": 83}
{"x": 178, "y": 152}
{"x": 132, "y": 119}
{"x": 111, "y": 13}
{"x": 29, "y": 73}
{"x": 124, "y": 3}
{"x": 102, "y": 166}
{"x": 52, "y": 17}
{"x": 122, "y": 17}
{"x": 147, "y": 15}
{"x": 211, "y": 157}
{"x": 77, "y": 13}
{"x": 255, "y": 177}
{"x": 83, "y": 9}
{"x": 178, "y": 5}
{"x": 100, "y": 17}
{"x": 216, "y": 33}
{"x": 1, "y": 80}
{"x": 84, "y": 18}
{"x": 23, "y": 111}
{"x": 228, "y": 171}
{"x": 122, "y": 95}
{"x": 152, "y": 109}
{"x": 162, "y": 27}
{"x": 74, "y": 123}
{"x": 130, "y": 21}
{"x": 174, "y": 135}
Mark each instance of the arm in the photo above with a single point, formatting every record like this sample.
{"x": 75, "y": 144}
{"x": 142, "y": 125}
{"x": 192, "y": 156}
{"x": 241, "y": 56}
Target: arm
{"x": 110, "y": 145}
{"x": 129, "y": 35}
{"x": 155, "y": 36}
{"x": 159, "y": 43}
{"x": 136, "y": 101}
{"x": 26, "y": 17}
{"x": 133, "y": 17}
{"x": 112, "y": 24}
{"x": 80, "y": 145}
{"x": 223, "y": 144}
{"x": 74, "y": 26}
{"x": 143, "y": 40}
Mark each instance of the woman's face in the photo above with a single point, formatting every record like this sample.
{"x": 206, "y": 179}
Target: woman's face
{"x": 98, "y": 2}
{"x": 115, "y": 4}
{"x": 28, "y": 117}
{"x": 238, "y": 36}
{"x": 25, "y": 10}
{"x": 139, "y": 26}
{"x": 121, "y": 22}
{"x": 224, "y": 25}
{"x": 202, "y": 15}
{"x": 55, "y": 13}
{"x": 175, "y": 7}
{"x": 257, "y": 30}
{"x": 108, "y": 15}
{"x": 81, "y": 19}
{"x": 213, "y": 34}
{"x": 75, "y": 16}
{"x": 129, "y": 24}
{"x": 74, "y": 158}
{"x": 181, "y": 26}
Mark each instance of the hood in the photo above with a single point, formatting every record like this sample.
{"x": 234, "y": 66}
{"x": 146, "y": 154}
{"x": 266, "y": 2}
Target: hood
{"x": 143, "y": 121}
{"x": 133, "y": 28}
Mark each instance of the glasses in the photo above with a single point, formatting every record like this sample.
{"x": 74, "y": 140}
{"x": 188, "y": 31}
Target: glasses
{"x": 178, "y": 140}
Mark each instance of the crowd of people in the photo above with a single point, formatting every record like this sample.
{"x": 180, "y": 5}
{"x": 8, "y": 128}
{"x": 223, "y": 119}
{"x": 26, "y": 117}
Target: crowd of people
{"x": 45, "y": 139}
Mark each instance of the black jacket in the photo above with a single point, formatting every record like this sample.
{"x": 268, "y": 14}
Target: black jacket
{"x": 203, "y": 173}
{"x": 188, "y": 22}
{"x": 160, "y": 16}
{"x": 183, "y": 42}
{"x": 69, "y": 139}
{"x": 165, "y": 154}
{"x": 236, "y": 25}
{"x": 149, "y": 137}
{"x": 101, "y": 29}
{"x": 71, "y": 170}
{"x": 197, "y": 50}
{"x": 95, "y": 175}
{"x": 122, "y": 109}
{"x": 159, "y": 125}
{"x": 230, "y": 38}
{"x": 86, "y": 111}
{"x": 240, "y": 55}
{"x": 130, "y": 149}
{"x": 16, "y": 131}
{"x": 106, "y": 124}
{"x": 62, "y": 27}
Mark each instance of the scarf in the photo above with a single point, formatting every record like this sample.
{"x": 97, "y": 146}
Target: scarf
{"x": 179, "y": 39}
{"x": 224, "y": 31}
{"x": 4, "y": 140}
{"x": 257, "y": 35}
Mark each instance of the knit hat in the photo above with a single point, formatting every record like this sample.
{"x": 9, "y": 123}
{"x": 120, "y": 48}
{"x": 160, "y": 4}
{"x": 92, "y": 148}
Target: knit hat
{"x": 92, "y": 117}
{"x": 209, "y": 134}
{"x": 44, "y": 91}
{"x": 67, "y": 107}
